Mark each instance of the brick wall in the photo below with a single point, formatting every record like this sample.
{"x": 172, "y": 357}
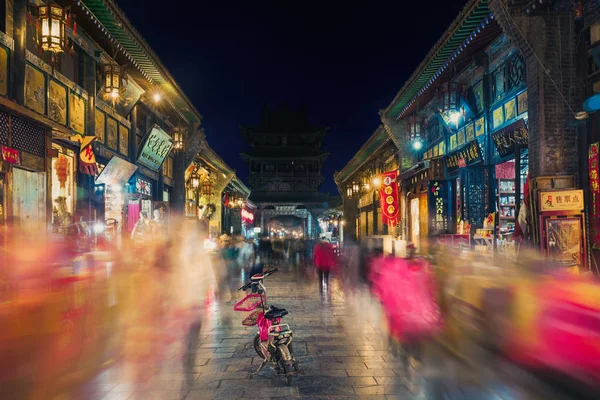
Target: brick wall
{"x": 547, "y": 41}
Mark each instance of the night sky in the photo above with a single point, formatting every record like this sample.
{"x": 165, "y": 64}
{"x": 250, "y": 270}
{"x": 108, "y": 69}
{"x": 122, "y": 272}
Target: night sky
{"x": 342, "y": 62}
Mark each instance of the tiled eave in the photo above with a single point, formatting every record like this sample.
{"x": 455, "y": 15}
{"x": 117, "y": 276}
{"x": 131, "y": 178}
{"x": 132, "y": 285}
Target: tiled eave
{"x": 472, "y": 16}
{"x": 112, "y": 20}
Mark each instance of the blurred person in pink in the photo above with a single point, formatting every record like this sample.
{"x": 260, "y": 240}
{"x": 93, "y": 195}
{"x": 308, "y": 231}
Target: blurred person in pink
{"x": 324, "y": 258}
{"x": 407, "y": 292}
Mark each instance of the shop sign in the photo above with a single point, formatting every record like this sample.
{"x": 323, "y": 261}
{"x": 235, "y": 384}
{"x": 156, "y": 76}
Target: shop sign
{"x": 117, "y": 171}
{"x": 155, "y": 148}
{"x": 438, "y": 205}
{"x": 514, "y": 134}
{"x": 468, "y": 155}
{"x": 388, "y": 198}
{"x": 247, "y": 216}
{"x": 563, "y": 200}
{"x": 594, "y": 176}
{"x": 11, "y": 156}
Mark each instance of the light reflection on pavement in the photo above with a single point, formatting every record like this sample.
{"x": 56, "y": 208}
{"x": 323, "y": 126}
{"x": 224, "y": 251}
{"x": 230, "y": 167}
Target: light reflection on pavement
{"x": 341, "y": 347}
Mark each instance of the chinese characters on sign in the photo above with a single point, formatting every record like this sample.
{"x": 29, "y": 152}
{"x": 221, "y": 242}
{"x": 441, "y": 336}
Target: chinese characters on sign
{"x": 468, "y": 155}
{"x": 564, "y": 200}
{"x": 594, "y": 171}
{"x": 11, "y": 156}
{"x": 438, "y": 204}
{"x": 506, "y": 139}
{"x": 156, "y": 148}
{"x": 388, "y": 197}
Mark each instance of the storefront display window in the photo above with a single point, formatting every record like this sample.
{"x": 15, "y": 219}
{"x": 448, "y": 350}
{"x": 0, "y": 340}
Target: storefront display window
{"x": 63, "y": 189}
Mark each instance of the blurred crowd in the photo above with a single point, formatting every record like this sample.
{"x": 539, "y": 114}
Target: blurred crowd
{"x": 67, "y": 313}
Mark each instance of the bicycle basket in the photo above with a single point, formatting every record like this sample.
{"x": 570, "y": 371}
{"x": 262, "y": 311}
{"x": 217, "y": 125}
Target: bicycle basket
{"x": 251, "y": 319}
{"x": 248, "y": 303}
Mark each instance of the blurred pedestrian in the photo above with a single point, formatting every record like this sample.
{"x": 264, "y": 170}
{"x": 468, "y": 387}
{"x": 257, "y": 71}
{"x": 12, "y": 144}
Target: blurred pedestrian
{"x": 324, "y": 258}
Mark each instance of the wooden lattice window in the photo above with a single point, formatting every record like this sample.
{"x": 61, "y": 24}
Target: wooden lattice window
{"x": 515, "y": 72}
{"x": 477, "y": 192}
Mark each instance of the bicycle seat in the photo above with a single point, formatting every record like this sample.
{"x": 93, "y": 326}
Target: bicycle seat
{"x": 257, "y": 277}
{"x": 275, "y": 312}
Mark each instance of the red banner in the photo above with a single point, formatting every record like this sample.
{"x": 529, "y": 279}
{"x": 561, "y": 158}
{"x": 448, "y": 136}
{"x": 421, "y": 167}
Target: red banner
{"x": 594, "y": 172}
{"x": 11, "y": 156}
{"x": 388, "y": 198}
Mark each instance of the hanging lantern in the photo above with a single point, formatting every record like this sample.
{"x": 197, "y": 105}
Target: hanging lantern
{"x": 195, "y": 180}
{"x": 206, "y": 188}
{"x": 177, "y": 139}
{"x": 52, "y": 18}
{"x": 450, "y": 97}
{"x": 114, "y": 75}
{"x": 414, "y": 132}
{"x": 349, "y": 191}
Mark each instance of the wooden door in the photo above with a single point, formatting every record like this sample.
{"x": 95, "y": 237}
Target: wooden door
{"x": 29, "y": 199}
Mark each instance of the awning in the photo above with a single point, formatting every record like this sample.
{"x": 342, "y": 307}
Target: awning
{"x": 116, "y": 172}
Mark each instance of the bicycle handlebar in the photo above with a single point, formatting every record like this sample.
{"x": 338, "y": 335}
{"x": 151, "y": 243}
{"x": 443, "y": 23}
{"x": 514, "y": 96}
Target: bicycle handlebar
{"x": 265, "y": 274}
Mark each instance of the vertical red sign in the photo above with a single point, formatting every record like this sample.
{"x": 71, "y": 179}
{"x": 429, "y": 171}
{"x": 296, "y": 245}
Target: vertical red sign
{"x": 388, "y": 198}
{"x": 594, "y": 171}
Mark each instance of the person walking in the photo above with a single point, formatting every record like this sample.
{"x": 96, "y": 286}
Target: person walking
{"x": 324, "y": 259}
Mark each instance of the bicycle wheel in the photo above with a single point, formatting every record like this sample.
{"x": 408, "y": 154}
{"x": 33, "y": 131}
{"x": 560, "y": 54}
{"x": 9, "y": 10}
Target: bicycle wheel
{"x": 288, "y": 368}
{"x": 258, "y": 347}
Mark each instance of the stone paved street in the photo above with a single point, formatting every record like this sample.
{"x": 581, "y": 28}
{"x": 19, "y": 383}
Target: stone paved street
{"x": 339, "y": 344}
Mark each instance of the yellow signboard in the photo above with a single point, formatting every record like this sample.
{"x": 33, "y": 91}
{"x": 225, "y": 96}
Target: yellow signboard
{"x": 561, "y": 200}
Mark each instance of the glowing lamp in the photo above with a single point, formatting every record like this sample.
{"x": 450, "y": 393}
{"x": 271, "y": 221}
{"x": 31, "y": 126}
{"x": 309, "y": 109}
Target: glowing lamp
{"x": 377, "y": 182}
{"x": 52, "y": 18}
{"x": 417, "y": 145}
{"x": 177, "y": 139}
{"x": 113, "y": 80}
{"x": 454, "y": 117}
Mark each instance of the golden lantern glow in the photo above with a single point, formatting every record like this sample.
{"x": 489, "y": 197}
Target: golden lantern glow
{"x": 177, "y": 139}
{"x": 52, "y": 18}
{"x": 195, "y": 181}
{"x": 114, "y": 76}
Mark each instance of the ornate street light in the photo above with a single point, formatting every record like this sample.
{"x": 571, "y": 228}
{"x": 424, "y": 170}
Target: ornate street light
{"x": 114, "y": 76}
{"x": 52, "y": 18}
{"x": 355, "y": 188}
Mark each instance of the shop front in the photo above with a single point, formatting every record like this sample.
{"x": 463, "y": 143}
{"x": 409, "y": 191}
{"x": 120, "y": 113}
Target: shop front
{"x": 112, "y": 197}
{"x": 23, "y": 174}
{"x": 64, "y": 186}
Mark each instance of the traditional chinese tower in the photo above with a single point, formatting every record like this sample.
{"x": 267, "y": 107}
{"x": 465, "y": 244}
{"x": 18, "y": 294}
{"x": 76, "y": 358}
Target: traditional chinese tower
{"x": 285, "y": 156}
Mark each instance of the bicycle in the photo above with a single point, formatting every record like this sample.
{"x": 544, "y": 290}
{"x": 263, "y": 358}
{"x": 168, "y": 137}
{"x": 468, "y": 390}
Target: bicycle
{"x": 273, "y": 342}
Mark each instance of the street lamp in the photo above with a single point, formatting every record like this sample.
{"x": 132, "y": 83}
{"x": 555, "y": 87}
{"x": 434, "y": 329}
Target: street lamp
{"x": 377, "y": 182}
{"x": 52, "y": 19}
{"x": 177, "y": 139}
{"x": 113, "y": 80}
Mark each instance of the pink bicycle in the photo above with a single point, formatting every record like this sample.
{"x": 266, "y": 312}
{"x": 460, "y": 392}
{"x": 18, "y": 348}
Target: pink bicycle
{"x": 273, "y": 342}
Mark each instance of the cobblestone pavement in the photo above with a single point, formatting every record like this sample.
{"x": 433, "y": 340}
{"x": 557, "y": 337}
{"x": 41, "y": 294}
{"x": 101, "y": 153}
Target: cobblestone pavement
{"x": 341, "y": 348}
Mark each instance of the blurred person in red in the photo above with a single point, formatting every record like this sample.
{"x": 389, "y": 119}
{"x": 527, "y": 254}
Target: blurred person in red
{"x": 324, "y": 259}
